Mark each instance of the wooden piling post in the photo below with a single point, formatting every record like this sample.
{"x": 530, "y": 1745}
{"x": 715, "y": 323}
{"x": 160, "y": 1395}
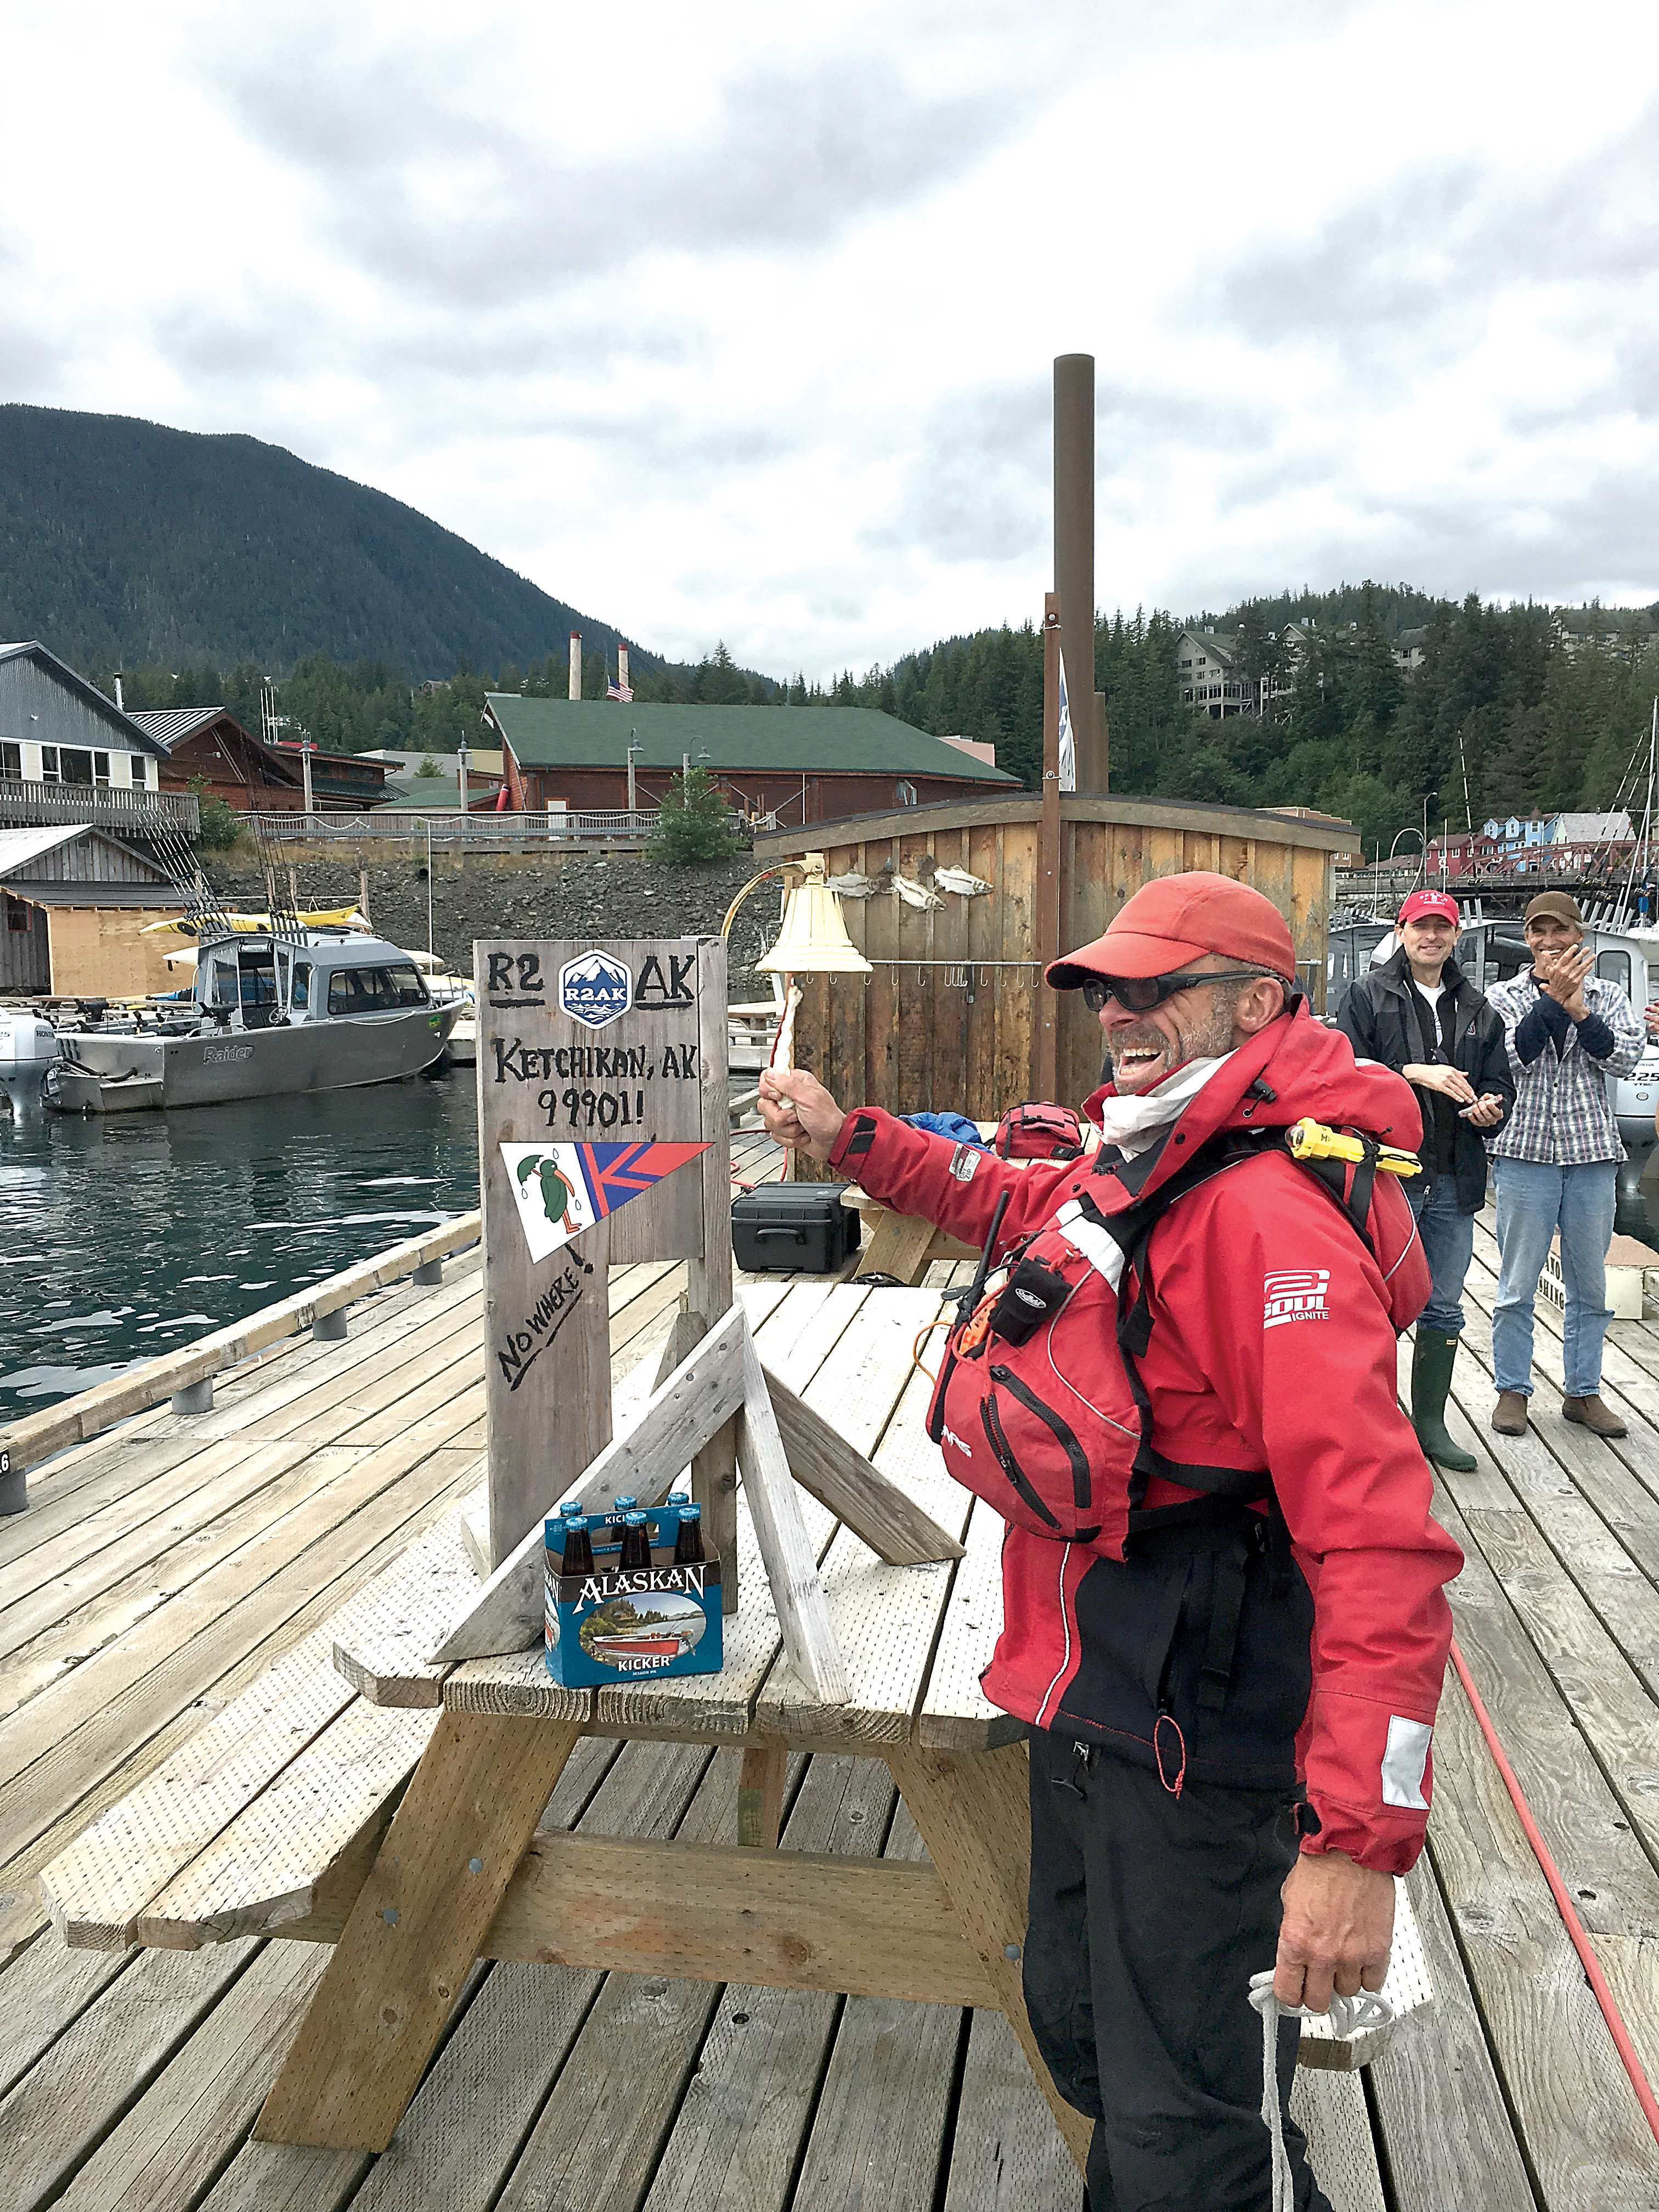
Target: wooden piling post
{"x": 1048, "y": 870}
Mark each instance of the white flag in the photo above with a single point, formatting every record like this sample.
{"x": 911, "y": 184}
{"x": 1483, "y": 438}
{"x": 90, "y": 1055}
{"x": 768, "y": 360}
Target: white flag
{"x": 562, "y": 1190}
{"x": 1067, "y": 747}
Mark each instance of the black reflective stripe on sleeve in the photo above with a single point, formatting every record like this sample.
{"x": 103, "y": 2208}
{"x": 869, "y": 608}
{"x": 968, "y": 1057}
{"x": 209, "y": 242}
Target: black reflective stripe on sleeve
{"x": 864, "y": 1135}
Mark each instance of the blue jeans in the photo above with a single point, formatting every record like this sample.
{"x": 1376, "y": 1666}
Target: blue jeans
{"x": 1533, "y": 1201}
{"x": 1448, "y": 1235}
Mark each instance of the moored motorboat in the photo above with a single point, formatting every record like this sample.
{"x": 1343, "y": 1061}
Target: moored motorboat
{"x": 270, "y": 1013}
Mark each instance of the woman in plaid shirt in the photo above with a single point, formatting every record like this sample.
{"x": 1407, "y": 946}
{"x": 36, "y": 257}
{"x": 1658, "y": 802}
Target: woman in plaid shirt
{"x": 1556, "y": 1161}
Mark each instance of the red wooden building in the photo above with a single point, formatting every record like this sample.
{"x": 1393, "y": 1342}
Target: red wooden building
{"x": 794, "y": 764}
{"x": 208, "y": 748}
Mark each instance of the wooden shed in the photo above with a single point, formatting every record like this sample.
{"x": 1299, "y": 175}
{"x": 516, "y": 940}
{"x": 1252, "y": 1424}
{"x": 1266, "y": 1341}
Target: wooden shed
{"x": 950, "y": 1019}
{"x": 76, "y": 902}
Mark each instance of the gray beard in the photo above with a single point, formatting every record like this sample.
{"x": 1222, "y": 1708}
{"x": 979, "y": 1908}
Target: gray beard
{"x": 1208, "y": 1039}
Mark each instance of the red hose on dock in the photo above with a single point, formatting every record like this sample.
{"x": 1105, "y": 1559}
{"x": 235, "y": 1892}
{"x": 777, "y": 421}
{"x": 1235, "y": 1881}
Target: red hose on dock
{"x": 1622, "y": 2039}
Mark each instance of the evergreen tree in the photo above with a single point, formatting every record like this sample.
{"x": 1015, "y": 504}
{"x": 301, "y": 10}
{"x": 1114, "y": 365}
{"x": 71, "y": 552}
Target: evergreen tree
{"x": 694, "y": 822}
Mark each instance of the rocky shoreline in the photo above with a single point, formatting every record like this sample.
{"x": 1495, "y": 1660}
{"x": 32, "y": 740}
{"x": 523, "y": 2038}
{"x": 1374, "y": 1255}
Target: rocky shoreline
{"x": 583, "y": 894}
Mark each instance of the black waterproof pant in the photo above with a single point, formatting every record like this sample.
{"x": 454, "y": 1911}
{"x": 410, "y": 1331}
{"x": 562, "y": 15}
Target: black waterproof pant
{"x": 1149, "y": 1915}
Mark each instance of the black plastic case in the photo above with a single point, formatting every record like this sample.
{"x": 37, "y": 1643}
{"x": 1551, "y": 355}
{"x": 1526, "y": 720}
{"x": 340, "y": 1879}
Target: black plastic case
{"x": 783, "y": 1227}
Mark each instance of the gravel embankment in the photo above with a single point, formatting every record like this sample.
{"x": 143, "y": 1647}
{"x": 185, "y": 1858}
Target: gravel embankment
{"x": 627, "y": 896}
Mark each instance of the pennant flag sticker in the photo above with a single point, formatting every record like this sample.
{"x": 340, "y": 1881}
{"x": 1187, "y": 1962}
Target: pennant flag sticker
{"x": 562, "y": 1190}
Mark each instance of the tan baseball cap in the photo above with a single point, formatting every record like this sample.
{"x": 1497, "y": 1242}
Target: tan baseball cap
{"x": 1554, "y": 906}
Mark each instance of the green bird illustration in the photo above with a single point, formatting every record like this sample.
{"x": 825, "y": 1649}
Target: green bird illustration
{"x": 557, "y": 1191}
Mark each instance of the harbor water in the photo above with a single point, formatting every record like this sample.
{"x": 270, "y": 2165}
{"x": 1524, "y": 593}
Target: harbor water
{"x": 122, "y": 1236}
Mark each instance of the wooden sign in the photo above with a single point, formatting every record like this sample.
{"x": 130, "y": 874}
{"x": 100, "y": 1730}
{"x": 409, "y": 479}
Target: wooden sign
{"x": 607, "y": 1041}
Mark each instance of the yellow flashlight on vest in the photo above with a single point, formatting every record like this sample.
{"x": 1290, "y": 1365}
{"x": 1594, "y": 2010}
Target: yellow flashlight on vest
{"x": 1311, "y": 1141}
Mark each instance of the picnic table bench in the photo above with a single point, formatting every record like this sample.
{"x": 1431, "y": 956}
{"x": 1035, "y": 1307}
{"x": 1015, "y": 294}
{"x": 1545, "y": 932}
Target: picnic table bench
{"x": 362, "y": 1794}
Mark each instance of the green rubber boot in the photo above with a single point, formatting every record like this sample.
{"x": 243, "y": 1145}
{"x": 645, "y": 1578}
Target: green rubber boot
{"x": 1432, "y": 1356}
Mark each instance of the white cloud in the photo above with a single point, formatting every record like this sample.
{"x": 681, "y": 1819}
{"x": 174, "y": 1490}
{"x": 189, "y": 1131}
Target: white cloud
{"x": 736, "y": 321}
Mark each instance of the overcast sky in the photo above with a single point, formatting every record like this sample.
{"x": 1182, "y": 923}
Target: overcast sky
{"x": 738, "y": 321}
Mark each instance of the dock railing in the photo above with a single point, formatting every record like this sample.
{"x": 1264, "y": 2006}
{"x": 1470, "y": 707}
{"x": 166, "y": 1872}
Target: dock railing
{"x": 76, "y": 1421}
{"x": 25, "y": 804}
{"x": 615, "y": 825}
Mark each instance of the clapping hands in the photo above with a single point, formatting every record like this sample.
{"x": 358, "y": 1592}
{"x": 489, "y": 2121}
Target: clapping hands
{"x": 1561, "y": 975}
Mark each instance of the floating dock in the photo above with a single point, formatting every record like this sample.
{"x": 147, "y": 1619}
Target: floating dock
{"x": 163, "y": 1564}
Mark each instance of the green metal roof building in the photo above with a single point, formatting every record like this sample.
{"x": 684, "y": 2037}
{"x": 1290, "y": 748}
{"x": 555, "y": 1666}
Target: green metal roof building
{"x": 794, "y": 763}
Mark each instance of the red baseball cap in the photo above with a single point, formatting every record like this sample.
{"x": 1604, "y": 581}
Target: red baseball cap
{"x": 1420, "y": 904}
{"x": 1176, "y": 919}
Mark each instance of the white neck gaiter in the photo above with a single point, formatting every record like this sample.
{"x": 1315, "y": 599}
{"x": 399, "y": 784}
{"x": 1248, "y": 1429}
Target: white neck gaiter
{"x": 1131, "y": 1124}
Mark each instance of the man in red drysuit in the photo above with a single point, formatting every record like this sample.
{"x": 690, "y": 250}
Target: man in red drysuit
{"x": 1223, "y": 1614}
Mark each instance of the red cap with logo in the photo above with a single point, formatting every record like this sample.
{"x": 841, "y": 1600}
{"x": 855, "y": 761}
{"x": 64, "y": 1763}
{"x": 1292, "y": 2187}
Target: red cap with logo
{"x": 1420, "y": 904}
{"x": 1176, "y": 919}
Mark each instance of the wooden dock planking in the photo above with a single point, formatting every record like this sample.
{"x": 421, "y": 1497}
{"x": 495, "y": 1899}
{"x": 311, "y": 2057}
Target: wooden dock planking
{"x": 150, "y": 1674}
{"x": 880, "y": 2130}
{"x": 126, "y": 1572}
{"x": 171, "y": 2146}
{"x": 47, "y": 1988}
{"x": 1585, "y": 2135}
{"x": 599, "y": 2134}
{"x": 1440, "y": 2108}
{"x": 546, "y": 2082}
{"x": 1006, "y": 2154}
{"x": 740, "y": 2134}
{"x": 54, "y": 2119}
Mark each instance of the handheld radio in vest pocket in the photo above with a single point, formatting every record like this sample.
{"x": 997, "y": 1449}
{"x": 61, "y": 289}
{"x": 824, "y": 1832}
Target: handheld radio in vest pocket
{"x": 1309, "y": 1140}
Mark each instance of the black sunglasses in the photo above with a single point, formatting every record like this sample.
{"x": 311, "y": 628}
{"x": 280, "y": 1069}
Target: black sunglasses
{"x": 1139, "y": 995}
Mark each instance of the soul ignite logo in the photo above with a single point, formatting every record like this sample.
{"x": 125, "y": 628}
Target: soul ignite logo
{"x": 1294, "y": 1294}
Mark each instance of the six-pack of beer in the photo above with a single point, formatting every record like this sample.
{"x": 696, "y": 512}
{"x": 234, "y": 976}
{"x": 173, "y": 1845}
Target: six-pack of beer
{"x": 631, "y": 1592}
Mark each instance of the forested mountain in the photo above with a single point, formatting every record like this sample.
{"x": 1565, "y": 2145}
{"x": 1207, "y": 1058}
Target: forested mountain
{"x": 125, "y": 543}
{"x": 201, "y": 567}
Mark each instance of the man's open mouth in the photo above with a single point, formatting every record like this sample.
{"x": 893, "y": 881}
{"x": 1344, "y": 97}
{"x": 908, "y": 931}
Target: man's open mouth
{"x": 1132, "y": 1057}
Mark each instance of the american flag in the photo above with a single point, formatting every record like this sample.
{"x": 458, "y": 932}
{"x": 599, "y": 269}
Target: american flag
{"x": 622, "y": 691}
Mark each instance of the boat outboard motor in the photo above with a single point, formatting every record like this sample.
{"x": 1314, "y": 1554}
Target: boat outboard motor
{"x": 28, "y": 1049}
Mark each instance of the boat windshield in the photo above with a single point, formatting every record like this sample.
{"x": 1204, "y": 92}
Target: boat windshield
{"x": 374, "y": 990}
{"x": 258, "y": 966}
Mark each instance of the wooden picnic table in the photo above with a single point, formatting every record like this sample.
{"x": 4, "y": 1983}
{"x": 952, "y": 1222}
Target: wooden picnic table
{"x": 247, "y": 1838}
{"x": 903, "y": 1245}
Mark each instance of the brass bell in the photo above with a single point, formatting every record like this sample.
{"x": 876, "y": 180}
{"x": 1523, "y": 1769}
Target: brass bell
{"x": 813, "y": 940}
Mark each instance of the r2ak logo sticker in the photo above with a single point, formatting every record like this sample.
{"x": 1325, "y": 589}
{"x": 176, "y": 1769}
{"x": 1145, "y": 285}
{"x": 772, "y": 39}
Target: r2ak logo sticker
{"x": 595, "y": 989}
{"x": 1294, "y": 1294}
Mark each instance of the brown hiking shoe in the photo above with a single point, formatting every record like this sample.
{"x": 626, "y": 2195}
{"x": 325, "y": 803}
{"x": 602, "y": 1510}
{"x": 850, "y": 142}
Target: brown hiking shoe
{"x": 1510, "y": 1414}
{"x": 1591, "y": 1413}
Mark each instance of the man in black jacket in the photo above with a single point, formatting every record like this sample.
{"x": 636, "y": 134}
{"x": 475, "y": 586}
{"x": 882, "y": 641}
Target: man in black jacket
{"x": 1420, "y": 1016}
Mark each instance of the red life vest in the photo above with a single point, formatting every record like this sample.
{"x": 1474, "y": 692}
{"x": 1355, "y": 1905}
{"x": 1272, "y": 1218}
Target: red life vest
{"x": 1039, "y": 1407}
